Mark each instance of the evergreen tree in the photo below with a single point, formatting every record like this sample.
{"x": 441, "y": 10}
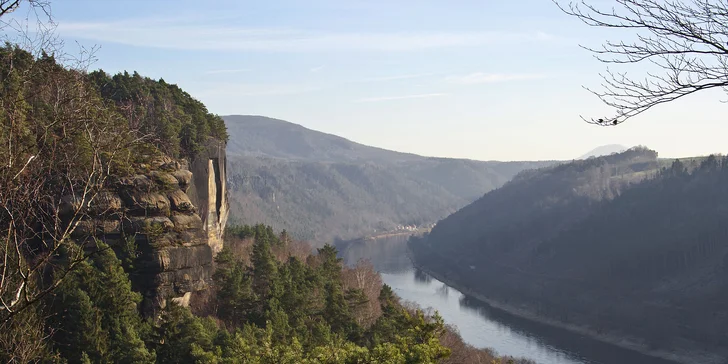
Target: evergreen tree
{"x": 96, "y": 313}
{"x": 181, "y": 336}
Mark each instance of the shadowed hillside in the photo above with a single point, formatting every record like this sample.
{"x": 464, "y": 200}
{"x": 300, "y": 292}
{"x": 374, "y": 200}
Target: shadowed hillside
{"x": 563, "y": 242}
{"x": 319, "y": 186}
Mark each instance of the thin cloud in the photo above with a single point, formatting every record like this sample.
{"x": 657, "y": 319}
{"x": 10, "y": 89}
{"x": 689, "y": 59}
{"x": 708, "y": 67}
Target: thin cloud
{"x": 215, "y": 72}
{"x": 480, "y": 78}
{"x": 405, "y": 97}
{"x": 244, "y": 90}
{"x": 396, "y": 77}
{"x": 173, "y": 34}
{"x": 317, "y": 69}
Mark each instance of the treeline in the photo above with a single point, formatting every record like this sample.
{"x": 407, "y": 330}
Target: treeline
{"x": 174, "y": 121}
{"x": 269, "y": 303}
{"x": 647, "y": 263}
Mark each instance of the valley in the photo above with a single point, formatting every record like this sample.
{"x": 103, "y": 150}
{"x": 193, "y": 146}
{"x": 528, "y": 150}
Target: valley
{"x": 482, "y": 324}
{"x": 488, "y": 206}
{"x": 509, "y": 234}
{"x": 597, "y": 245}
{"x": 320, "y": 187}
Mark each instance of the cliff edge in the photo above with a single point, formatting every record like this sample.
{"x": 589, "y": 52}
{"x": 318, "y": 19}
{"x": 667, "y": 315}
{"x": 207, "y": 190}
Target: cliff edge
{"x": 167, "y": 221}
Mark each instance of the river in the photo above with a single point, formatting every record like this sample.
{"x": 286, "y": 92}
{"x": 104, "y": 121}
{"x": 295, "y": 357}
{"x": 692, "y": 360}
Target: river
{"x": 479, "y": 324}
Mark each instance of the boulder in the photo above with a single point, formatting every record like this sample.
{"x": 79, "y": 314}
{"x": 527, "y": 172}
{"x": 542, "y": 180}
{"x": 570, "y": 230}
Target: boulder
{"x": 148, "y": 203}
{"x": 70, "y": 204}
{"x": 157, "y": 225}
{"x": 184, "y": 177}
{"x": 87, "y": 228}
{"x": 84, "y": 228}
{"x": 186, "y": 222}
{"x": 105, "y": 202}
{"x": 139, "y": 182}
{"x": 164, "y": 180}
{"x": 180, "y": 201}
{"x": 160, "y": 160}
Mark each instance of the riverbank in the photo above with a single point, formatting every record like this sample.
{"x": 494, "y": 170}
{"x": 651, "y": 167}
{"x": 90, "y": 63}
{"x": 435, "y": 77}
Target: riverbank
{"x": 392, "y": 234}
{"x": 621, "y": 341}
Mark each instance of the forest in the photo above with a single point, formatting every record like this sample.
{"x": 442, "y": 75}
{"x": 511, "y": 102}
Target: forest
{"x": 565, "y": 241}
{"x": 272, "y": 302}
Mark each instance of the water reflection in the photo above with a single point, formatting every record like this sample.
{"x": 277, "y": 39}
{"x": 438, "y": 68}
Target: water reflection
{"x": 479, "y": 324}
{"x": 422, "y": 277}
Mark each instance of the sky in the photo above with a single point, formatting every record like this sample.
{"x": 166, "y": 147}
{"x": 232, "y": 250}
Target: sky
{"x": 487, "y": 80}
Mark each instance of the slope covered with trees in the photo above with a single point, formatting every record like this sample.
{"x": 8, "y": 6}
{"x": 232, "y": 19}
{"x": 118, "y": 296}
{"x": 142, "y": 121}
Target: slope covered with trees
{"x": 272, "y": 302}
{"x": 604, "y": 243}
{"x": 320, "y": 187}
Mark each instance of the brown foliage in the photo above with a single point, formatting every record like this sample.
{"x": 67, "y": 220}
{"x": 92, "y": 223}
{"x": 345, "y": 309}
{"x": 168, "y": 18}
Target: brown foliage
{"x": 364, "y": 277}
{"x": 23, "y": 339}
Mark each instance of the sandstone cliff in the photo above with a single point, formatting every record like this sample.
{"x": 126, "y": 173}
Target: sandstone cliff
{"x": 170, "y": 219}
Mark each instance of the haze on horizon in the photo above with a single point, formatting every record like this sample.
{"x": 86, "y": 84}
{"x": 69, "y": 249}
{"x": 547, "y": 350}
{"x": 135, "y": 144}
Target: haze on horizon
{"x": 482, "y": 80}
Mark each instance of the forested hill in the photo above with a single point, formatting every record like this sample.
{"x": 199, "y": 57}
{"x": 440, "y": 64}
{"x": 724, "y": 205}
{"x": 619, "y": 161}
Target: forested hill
{"x": 260, "y": 135}
{"x": 601, "y": 243}
{"x": 320, "y": 187}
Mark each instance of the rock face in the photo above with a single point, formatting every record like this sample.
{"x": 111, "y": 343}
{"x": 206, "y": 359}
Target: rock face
{"x": 208, "y": 192}
{"x": 169, "y": 221}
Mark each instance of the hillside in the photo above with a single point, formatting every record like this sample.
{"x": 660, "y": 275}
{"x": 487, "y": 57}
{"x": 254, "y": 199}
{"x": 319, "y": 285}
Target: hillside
{"x": 320, "y": 187}
{"x": 601, "y": 243}
{"x": 262, "y": 136}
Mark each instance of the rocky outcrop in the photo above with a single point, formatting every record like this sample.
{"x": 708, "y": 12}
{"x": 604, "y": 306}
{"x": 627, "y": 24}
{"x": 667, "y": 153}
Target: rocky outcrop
{"x": 168, "y": 221}
{"x": 208, "y": 190}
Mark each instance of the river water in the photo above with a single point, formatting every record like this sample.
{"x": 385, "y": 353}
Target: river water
{"x": 479, "y": 324}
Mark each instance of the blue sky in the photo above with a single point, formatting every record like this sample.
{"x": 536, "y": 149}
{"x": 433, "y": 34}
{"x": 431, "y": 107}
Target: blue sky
{"x": 489, "y": 80}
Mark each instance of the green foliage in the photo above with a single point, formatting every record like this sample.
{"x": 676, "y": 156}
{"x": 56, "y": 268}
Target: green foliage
{"x": 298, "y": 312}
{"x": 182, "y": 337}
{"x": 304, "y": 315}
{"x": 96, "y": 315}
{"x": 181, "y": 125}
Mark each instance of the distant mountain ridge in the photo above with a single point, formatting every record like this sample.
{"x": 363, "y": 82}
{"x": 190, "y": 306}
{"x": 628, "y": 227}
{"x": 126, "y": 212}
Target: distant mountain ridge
{"x": 320, "y": 186}
{"x": 259, "y": 135}
{"x": 604, "y": 150}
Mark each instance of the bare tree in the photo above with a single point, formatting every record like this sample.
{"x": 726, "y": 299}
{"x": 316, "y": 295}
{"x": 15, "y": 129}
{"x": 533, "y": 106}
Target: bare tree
{"x": 59, "y": 144}
{"x": 25, "y": 339}
{"x": 59, "y": 148}
{"x": 686, "y": 40}
{"x": 364, "y": 277}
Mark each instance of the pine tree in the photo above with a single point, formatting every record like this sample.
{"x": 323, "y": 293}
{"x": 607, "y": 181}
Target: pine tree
{"x": 96, "y": 313}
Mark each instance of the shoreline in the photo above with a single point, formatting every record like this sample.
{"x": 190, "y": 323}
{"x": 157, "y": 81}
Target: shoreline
{"x": 622, "y": 342}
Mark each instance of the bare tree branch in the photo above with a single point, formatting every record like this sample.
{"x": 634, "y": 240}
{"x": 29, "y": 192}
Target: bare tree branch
{"x": 686, "y": 40}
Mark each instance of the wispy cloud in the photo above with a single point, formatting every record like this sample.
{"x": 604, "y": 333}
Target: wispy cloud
{"x": 317, "y": 69}
{"x": 174, "y": 34}
{"x": 243, "y": 90}
{"x": 405, "y": 97}
{"x": 481, "y": 77}
{"x": 396, "y": 77}
{"x": 214, "y": 72}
